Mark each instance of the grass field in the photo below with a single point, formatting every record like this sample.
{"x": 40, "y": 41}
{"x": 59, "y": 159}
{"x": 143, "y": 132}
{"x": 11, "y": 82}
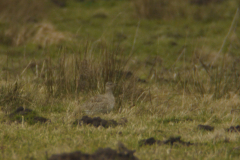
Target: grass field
{"x": 176, "y": 65}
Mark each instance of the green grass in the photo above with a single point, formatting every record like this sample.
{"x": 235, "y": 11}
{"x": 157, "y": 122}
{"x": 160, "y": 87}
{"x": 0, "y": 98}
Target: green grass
{"x": 95, "y": 42}
{"x": 60, "y": 136}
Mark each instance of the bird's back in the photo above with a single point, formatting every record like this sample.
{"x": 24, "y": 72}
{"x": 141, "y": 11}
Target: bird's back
{"x": 99, "y": 104}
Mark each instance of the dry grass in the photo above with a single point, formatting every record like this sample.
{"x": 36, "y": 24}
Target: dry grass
{"x": 42, "y": 34}
{"x": 24, "y": 22}
{"x": 46, "y": 34}
{"x": 13, "y": 95}
{"x": 168, "y": 112}
{"x": 59, "y": 135}
{"x": 173, "y": 102}
{"x": 153, "y": 110}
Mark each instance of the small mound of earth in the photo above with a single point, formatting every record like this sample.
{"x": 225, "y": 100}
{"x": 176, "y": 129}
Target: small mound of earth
{"x": 101, "y": 154}
{"x": 171, "y": 140}
{"x": 27, "y": 115}
{"x": 234, "y": 129}
{"x": 97, "y": 121}
{"x": 205, "y": 127}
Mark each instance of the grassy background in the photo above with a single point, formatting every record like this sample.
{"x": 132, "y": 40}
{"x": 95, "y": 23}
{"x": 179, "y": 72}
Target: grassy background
{"x": 56, "y": 54}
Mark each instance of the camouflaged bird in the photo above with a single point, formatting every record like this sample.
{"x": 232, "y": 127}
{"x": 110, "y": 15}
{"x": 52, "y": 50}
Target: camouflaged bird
{"x": 103, "y": 103}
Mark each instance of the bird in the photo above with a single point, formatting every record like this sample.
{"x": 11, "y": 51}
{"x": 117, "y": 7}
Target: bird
{"x": 102, "y": 103}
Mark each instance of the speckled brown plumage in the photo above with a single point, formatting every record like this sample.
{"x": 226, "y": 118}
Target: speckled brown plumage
{"x": 103, "y": 103}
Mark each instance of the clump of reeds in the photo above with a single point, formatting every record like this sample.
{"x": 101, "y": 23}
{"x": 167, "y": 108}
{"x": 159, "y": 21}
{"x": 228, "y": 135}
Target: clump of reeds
{"x": 81, "y": 73}
{"x": 220, "y": 81}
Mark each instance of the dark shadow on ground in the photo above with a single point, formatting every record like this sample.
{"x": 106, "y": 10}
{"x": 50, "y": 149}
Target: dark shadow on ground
{"x": 122, "y": 153}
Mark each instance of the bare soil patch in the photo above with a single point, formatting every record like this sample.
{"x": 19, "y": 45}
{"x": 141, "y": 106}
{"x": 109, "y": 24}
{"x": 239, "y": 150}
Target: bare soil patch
{"x": 96, "y": 122}
{"x": 25, "y": 114}
{"x": 233, "y": 129}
